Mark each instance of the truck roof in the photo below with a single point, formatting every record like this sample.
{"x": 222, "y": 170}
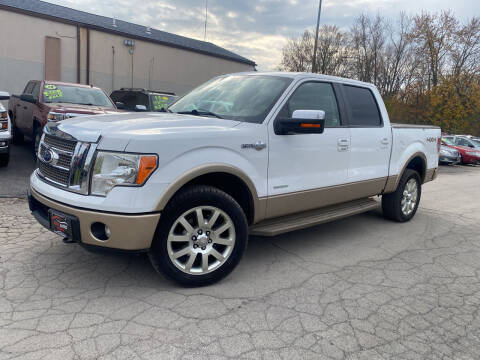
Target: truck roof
{"x": 70, "y": 84}
{"x": 303, "y": 75}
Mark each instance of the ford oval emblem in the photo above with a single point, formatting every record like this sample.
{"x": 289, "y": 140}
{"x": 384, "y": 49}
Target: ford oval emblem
{"x": 47, "y": 156}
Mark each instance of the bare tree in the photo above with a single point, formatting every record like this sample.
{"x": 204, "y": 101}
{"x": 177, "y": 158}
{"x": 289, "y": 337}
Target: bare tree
{"x": 297, "y": 54}
{"x": 433, "y": 36}
{"x": 332, "y": 51}
{"x": 465, "y": 54}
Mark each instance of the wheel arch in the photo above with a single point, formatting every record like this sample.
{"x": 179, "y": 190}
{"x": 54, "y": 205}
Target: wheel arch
{"x": 225, "y": 177}
{"x": 417, "y": 162}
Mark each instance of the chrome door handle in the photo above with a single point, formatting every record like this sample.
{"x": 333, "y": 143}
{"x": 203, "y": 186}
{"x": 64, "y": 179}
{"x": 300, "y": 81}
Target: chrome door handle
{"x": 343, "y": 144}
{"x": 259, "y": 145}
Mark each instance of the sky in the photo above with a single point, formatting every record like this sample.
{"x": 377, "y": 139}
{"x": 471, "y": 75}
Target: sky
{"x": 258, "y": 29}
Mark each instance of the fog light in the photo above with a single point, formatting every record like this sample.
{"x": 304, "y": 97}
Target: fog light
{"x": 100, "y": 231}
{"x": 107, "y": 232}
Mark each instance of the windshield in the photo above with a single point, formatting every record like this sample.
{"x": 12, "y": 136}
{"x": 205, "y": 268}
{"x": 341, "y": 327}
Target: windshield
{"x": 447, "y": 141}
{"x": 75, "y": 95}
{"x": 162, "y": 102}
{"x": 246, "y": 98}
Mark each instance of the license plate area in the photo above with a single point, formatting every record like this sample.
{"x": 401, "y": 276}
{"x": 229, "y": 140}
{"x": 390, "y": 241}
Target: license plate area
{"x": 60, "y": 224}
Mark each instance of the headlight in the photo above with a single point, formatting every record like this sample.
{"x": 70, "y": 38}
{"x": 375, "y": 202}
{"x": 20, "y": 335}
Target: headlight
{"x": 54, "y": 116}
{"x": 120, "y": 169}
{"x": 445, "y": 152}
{"x": 3, "y": 121}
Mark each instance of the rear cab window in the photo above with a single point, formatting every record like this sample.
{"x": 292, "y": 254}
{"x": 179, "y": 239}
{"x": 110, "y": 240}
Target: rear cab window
{"x": 363, "y": 107}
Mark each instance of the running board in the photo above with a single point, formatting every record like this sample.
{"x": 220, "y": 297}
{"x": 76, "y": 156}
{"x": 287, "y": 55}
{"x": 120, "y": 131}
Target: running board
{"x": 273, "y": 227}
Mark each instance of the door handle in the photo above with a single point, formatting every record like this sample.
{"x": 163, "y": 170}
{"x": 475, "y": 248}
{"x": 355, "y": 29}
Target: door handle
{"x": 19, "y": 105}
{"x": 385, "y": 141}
{"x": 343, "y": 144}
{"x": 24, "y": 108}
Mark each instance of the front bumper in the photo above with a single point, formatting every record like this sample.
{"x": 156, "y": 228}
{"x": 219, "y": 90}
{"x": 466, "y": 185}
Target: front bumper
{"x": 4, "y": 144}
{"x": 446, "y": 159}
{"x": 129, "y": 232}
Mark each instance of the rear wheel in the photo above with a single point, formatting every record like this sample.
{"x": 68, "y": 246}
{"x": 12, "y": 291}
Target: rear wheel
{"x": 4, "y": 159}
{"x": 402, "y": 204}
{"x": 201, "y": 236}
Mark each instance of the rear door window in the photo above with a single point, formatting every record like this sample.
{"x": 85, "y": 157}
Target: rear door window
{"x": 363, "y": 107}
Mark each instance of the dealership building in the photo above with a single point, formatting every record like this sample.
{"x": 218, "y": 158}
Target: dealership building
{"x": 39, "y": 40}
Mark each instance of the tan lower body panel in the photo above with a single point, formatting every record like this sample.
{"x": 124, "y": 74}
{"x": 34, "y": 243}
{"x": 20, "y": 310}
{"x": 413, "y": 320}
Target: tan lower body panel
{"x": 306, "y": 219}
{"x": 129, "y": 232}
{"x": 286, "y": 204}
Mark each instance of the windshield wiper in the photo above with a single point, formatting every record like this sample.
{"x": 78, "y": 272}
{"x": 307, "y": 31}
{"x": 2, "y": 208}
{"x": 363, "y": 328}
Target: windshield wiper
{"x": 200, "y": 113}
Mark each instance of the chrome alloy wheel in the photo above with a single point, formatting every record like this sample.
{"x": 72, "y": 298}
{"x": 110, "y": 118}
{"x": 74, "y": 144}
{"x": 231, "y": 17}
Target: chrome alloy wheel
{"x": 201, "y": 240}
{"x": 410, "y": 197}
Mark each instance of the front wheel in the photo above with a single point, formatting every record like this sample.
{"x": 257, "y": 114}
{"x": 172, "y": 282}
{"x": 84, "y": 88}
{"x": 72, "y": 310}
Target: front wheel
{"x": 201, "y": 236}
{"x": 37, "y": 136}
{"x": 402, "y": 204}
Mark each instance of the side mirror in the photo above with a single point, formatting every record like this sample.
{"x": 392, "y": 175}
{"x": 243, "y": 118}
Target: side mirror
{"x": 4, "y": 95}
{"x": 120, "y": 105}
{"x": 301, "y": 122}
{"x": 471, "y": 146}
{"x": 140, "y": 108}
{"x": 28, "y": 98}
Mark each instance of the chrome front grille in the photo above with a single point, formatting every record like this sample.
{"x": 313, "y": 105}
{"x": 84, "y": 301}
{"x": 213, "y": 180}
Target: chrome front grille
{"x": 54, "y": 174}
{"x": 60, "y": 144}
{"x": 65, "y": 162}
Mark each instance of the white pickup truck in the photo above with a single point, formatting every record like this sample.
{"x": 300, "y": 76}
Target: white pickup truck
{"x": 5, "y": 132}
{"x": 249, "y": 153}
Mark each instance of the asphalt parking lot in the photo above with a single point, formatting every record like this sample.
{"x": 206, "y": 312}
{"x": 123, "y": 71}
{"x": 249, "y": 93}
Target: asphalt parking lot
{"x": 360, "y": 288}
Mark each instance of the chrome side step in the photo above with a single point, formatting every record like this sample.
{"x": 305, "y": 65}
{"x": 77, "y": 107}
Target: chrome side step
{"x": 273, "y": 227}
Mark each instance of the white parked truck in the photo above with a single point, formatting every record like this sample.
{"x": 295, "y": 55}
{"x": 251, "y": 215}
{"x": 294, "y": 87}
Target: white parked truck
{"x": 5, "y": 132}
{"x": 250, "y": 153}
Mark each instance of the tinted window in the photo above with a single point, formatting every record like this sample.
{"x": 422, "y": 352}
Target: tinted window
{"x": 29, "y": 88}
{"x": 130, "y": 99}
{"x": 314, "y": 96}
{"x": 363, "y": 107}
{"x": 36, "y": 90}
{"x": 462, "y": 142}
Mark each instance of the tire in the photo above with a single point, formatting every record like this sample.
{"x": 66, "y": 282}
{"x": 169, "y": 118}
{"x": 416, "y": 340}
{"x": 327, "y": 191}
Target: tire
{"x": 17, "y": 136}
{"x": 393, "y": 205}
{"x": 4, "y": 159}
{"x": 36, "y": 136}
{"x": 224, "y": 233}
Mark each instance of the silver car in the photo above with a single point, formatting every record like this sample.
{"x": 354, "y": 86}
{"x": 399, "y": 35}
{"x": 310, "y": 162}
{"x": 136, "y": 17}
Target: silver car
{"x": 449, "y": 155}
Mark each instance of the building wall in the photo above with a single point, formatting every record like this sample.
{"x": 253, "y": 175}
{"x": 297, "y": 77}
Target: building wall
{"x": 155, "y": 66}
{"x": 22, "y": 49}
{"x": 22, "y": 58}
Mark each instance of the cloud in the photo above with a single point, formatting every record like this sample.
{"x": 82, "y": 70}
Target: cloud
{"x": 256, "y": 29}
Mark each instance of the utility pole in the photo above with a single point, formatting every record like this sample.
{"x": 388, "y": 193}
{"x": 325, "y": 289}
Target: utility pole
{"x": 314, "y": 59}
{"x": 206, "y": 17}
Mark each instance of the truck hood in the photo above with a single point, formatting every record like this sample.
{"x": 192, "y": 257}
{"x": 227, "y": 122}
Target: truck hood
{"x": 81, "y": 109}
{"x": 117, "y": 129}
